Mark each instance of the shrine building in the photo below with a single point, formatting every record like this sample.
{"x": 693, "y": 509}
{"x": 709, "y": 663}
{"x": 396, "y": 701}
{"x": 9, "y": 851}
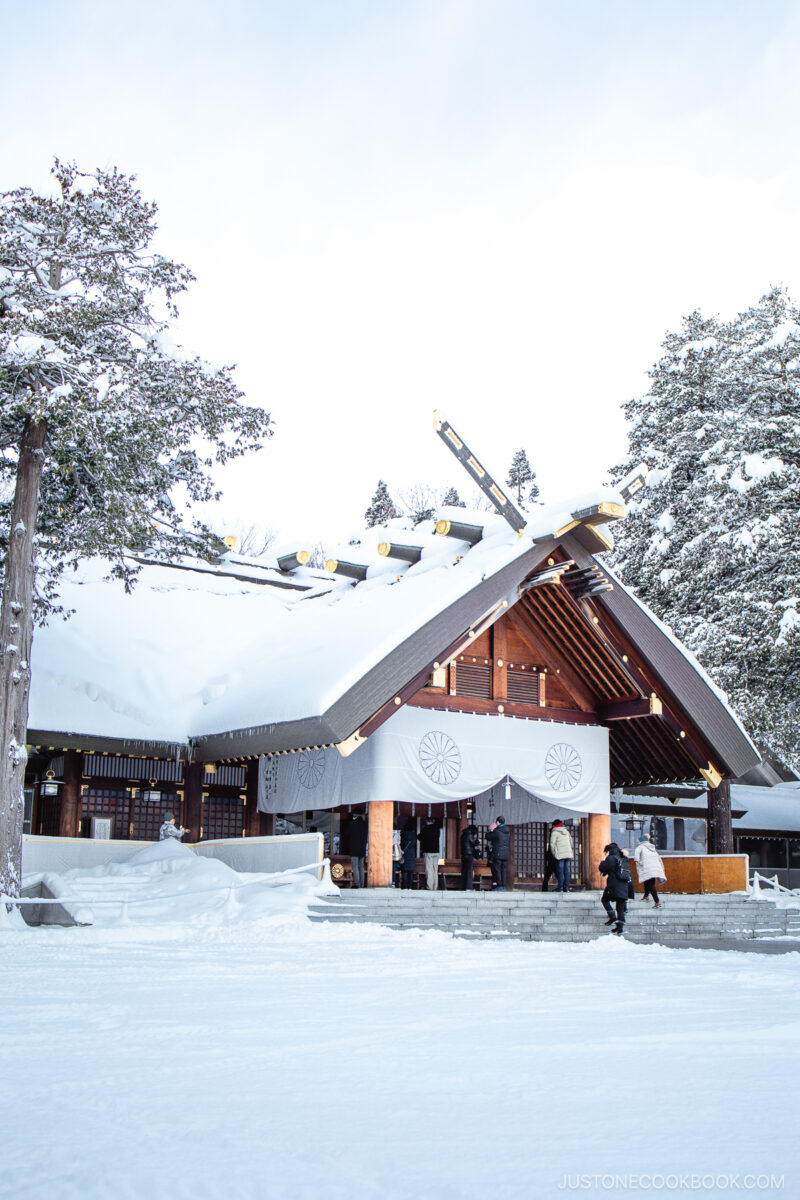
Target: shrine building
{"x": 460, "y": 668}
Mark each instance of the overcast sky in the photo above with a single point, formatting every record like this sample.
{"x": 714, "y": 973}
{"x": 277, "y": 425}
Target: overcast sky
{"x": 493, "y": 208}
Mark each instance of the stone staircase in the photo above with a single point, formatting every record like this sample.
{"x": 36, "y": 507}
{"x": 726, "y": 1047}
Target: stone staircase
{"x": 573, "y": 917}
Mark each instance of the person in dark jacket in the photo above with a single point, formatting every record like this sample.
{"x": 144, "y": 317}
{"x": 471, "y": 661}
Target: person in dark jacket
{"x": 499, "y": 839}
{"x": 469, "y": 849}
{"x": 429, "y": 849}
{"x": 550, "y": 866}
{"x": 617, "y": 872}
{"x": 357, "y": 845}
{"x": 408, "y": 850}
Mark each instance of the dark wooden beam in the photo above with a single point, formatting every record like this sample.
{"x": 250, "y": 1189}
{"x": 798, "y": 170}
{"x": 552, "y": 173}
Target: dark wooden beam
{"x": 627, "y": 710}
{"x": 511, "y": 708}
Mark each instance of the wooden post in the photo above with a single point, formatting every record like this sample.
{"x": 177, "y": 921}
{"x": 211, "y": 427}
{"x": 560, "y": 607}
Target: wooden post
{"x": 720, "y": 833}
{"x": 193, "y": 801}
{"x": 253, "y": 816}
{"x": 499, "y": 661}
{"x": 379, "y": 846}
{"x": 70, "y": 815}
{"x": 598, "y": 835}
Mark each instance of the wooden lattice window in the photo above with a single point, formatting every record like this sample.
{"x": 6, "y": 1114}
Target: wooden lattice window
{"x": 223, "y": 817}
{"x": 149, "y": 815}
{"x": 530, "y": 843}
{"x": 49, "y": 815}
{"x": 473, "y": 679}
{"x": 522, "y": 685}
{"x": 107, "y": 802}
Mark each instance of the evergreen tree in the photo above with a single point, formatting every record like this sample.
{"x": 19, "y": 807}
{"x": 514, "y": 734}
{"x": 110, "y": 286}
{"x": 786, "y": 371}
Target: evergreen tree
{"x": 713, "y": 544}
{"x": 520, "y": 474}
{"x": 452, "y": 499}
{"x": 381, "y": 508}
{"x": 102, "y": 418}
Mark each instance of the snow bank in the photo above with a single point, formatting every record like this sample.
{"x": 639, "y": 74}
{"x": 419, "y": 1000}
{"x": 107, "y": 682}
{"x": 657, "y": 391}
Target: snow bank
{"x": 166, "y": 882}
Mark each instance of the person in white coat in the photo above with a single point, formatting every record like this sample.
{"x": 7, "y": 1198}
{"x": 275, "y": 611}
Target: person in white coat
{"x": 649, "y": 868}
{"x": 560, "y": 847}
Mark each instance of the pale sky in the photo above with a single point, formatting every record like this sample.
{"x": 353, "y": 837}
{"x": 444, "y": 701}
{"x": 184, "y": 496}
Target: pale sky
{"x": 493, "y": 208}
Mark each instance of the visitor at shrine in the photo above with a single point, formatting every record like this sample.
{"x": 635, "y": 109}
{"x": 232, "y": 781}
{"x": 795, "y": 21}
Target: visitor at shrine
{"x": 561, "y": 850}
{"x": 357, "y": 845}
{"x": 617, "y": 871}
{"x": 550, "y": 871}
{"x": 408, "y": 848}
{"x": 469, "y": 850}
{"x": 499, "y": 840}
{"x": 397, "y": 858}
{"x": 169, "y": 829}
{"x": 429, "y": 849}
{"x": 649, "y": 868}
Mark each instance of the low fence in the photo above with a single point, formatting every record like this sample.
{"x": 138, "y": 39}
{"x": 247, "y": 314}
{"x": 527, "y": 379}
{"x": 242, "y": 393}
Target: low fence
{"x": 259, "y": 855}
{"x": 700, "y": 874}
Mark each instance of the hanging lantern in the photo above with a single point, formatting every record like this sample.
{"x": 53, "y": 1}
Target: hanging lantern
{"x": 50, "y": 786}
{"x": 508, "y": 788}
{"x": 634, "y": 822}
{"x": 151, "y": 794}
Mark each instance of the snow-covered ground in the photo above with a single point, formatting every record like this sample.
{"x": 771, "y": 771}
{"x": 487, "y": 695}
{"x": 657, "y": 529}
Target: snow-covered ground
{"x": 239, "y": 1050}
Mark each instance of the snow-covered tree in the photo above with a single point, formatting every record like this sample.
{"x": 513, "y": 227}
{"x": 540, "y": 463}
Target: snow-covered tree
{"x": 106, "y": 427}
{"x": 419, "y": 502}
{"x": 520, "y": 475}
{"x": 452, "y": 499}
{"x": 713, "y": 543}
{"x": 381, "y": 508}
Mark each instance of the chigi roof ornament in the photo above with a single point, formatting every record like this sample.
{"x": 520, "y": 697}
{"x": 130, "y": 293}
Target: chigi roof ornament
{"x": 478, "y": 474}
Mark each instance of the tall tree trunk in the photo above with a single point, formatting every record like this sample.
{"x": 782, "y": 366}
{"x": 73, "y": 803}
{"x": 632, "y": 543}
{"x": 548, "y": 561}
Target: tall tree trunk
{"x": 16, "y": 639}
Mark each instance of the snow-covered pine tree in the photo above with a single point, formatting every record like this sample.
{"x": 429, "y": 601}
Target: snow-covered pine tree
{"x": 520, "y": 474}
{"x": 452, "y": 499}
{"x": 381, "y": 508}
{"x": 103, "y": 420}
{"x": 713, "y": 543}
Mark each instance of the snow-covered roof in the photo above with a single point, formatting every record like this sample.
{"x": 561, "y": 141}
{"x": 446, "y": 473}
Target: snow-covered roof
{"x": 196, "y": 649}
{"x": 231, "y": 660}
{"x": 767, "y": 808}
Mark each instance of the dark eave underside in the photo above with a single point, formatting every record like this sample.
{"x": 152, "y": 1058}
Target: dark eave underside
{"x": 686, "y": 687}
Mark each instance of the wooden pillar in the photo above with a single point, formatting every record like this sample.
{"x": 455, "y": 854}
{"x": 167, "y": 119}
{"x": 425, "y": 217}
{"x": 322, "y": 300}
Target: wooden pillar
{"x": 720, "y": 833}
{"x": 379, "y": 846}
{"x": 70, "y": 816}
{"x": 598, "y": 835}
{"x": 193, "y": 801}
{"x": 252, "y": 826}
{"x": 499, "y": 661}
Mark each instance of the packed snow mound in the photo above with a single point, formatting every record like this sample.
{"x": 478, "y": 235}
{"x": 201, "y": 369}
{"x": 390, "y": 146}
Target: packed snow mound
{"x": 167, "y": 882}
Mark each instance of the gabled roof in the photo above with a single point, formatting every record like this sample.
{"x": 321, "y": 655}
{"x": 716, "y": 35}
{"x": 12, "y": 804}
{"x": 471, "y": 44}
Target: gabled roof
{"x": 224, "y": 664}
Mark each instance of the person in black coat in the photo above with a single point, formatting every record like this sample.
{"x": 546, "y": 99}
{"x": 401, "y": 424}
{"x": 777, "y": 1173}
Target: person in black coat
{"x": 429, "y": 849}
{"x": 550, "y": 866}
{"x": 469, "y": 849}
{"x": 499, "y": 839}
{"x": 408, "y": 850}
{"x": 357, "y": 845}
{"x": 618, "y": 875}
